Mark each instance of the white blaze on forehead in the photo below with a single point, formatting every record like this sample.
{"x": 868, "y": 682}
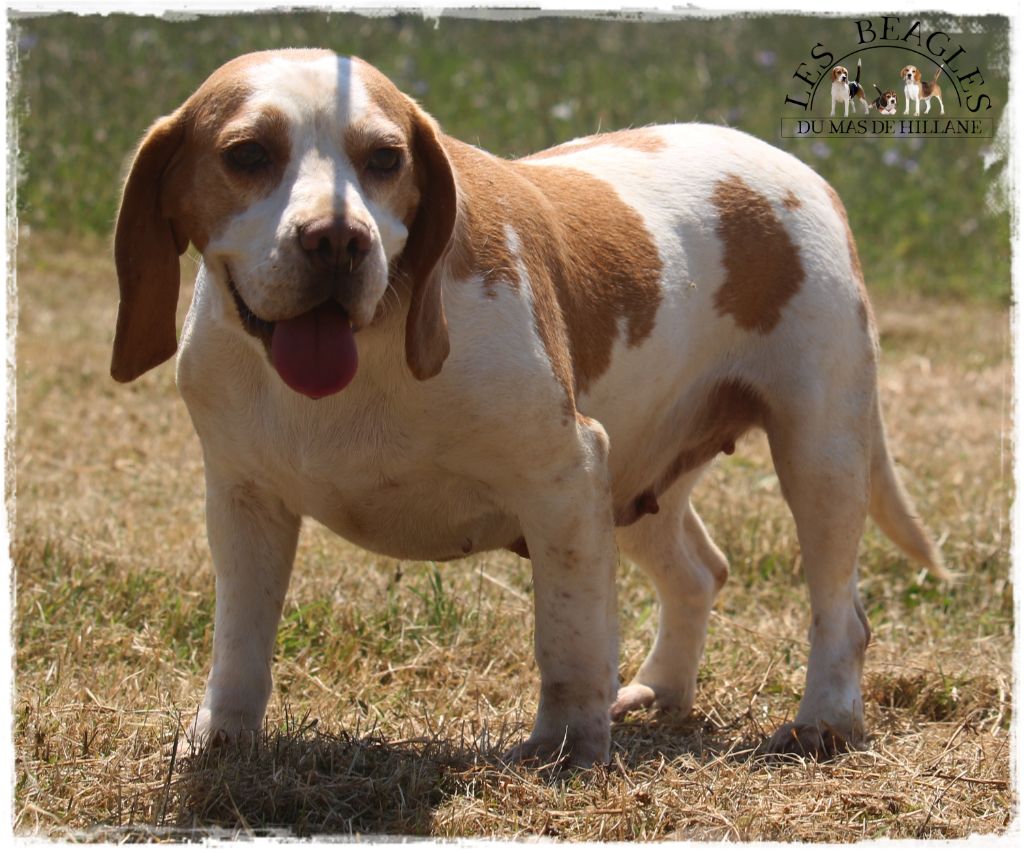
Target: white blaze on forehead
{"x": 320, "y": 95}
{"x": 323, "y": 89}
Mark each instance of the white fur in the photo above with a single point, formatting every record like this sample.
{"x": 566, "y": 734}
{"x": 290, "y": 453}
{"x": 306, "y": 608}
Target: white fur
{"x": 485, "y": 451}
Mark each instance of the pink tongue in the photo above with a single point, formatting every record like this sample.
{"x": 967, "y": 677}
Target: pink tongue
{"x": 315, "y": 354}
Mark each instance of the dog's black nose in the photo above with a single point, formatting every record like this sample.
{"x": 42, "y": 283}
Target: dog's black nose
{"x": 335, "y": 243}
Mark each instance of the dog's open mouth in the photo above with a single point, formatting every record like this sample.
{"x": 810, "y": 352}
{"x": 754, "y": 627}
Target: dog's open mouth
{"x": 314, "y": 353}
{"x": 254, "y": 325}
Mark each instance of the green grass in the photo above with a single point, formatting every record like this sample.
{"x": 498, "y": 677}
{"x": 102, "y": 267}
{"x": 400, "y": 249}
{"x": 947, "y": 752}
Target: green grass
{"x": 927, "y": 212}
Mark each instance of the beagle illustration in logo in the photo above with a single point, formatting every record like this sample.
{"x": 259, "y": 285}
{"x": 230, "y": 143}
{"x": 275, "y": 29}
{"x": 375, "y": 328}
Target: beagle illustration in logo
{"x": 915, "y": 89}
{"x": 886, "y": 101}
{"x": 845, "y": 90}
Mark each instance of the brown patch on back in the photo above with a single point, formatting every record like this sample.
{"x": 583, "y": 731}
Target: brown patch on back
{"x": 606, "y": 267}
{"x": 589, "y": 257}
{"x": 763, "y": 268}
{"x": 491, "y": 196}
{"x": 639, "y": 139}
{"x": 867, "y": 316}
{"x": 790, "y": 201}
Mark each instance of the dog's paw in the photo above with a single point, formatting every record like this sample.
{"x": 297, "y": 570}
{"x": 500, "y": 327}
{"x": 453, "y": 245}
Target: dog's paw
{"x": 632, "y": 697}
{"x": 808, "y": 741}
{"x": 577, "y": 752}
{"x": 211, "y": 729}
{"x": 636, "y": 697}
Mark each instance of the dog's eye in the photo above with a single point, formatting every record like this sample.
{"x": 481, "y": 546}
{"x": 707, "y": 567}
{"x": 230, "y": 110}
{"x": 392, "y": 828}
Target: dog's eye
{"x": 384, "y": 160}
{"x": 248, "y": 156}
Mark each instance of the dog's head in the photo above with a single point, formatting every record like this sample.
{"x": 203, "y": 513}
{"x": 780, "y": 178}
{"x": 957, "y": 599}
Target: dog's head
{"x": 840, "y": 74}
{"x": 885, "y": 103}
{"x": 308, "y": 182}
{"x": 910, "y": 74}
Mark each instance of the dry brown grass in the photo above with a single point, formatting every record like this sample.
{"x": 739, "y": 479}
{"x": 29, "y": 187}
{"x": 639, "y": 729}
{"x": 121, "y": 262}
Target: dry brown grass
{"x": 398, "y": 684}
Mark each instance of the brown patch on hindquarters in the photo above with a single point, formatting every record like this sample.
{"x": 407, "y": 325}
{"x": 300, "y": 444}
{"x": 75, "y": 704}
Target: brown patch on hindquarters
{"x": 763, "y": 268}
{"x": 644, "y": 139}
{"x": 590, "y": 260}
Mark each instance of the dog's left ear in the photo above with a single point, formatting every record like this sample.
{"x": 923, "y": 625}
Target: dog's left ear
{"x": 426, "y": 328}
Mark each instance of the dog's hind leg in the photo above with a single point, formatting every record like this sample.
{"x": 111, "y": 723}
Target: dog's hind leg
{"x": 821, "y": 441}
{"x": 688, "y": 570}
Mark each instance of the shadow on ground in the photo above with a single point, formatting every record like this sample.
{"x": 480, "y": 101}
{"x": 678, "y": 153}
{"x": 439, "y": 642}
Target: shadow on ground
{"x": 316, "y": 783}
{"x": 309, "y": 782}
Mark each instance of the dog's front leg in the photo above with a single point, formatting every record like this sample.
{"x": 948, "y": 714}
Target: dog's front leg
{"x": 569, "y": 529}
{"x": 252, "y": 540}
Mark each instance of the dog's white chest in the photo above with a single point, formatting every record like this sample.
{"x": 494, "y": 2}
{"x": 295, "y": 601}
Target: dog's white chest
{"x": 363, "y": 470}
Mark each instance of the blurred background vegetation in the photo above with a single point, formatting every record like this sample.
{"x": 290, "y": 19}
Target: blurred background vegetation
{"x": 930, "y": 215}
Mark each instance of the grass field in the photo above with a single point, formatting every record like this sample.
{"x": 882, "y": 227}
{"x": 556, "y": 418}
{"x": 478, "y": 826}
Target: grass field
{"x": 396, "y": 681}
{"x": 397, "y": 684}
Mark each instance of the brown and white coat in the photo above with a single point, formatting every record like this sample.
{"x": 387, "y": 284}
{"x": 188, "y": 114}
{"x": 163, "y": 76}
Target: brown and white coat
{"x": 915, "y": 89}
{"x": 551, "y": 350}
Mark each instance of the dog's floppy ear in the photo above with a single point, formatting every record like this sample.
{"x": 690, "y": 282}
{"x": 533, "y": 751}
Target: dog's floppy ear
{"x": 426, "y": 329}
{"x": 146, "y": 250}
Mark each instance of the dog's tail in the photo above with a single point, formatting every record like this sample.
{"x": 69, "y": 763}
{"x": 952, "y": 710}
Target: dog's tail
{"x": 857, "y": 78}
{"x": 892, "y": 509}
{"x": 941, "y": 68}
{"x": 880, "y": 92}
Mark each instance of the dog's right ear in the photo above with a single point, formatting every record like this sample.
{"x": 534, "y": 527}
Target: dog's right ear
{"x": 146, "y": 251}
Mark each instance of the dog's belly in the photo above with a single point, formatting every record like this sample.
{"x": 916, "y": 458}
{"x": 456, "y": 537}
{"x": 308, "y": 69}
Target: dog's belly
{"x": 418, "y": 517}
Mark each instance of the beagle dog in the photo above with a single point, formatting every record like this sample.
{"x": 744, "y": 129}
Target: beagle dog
{"x": 846, "y": 91}
{"x": 436, "y": 352}
{"x": 886, "y": 101}
{"x": 915, "y": 89}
